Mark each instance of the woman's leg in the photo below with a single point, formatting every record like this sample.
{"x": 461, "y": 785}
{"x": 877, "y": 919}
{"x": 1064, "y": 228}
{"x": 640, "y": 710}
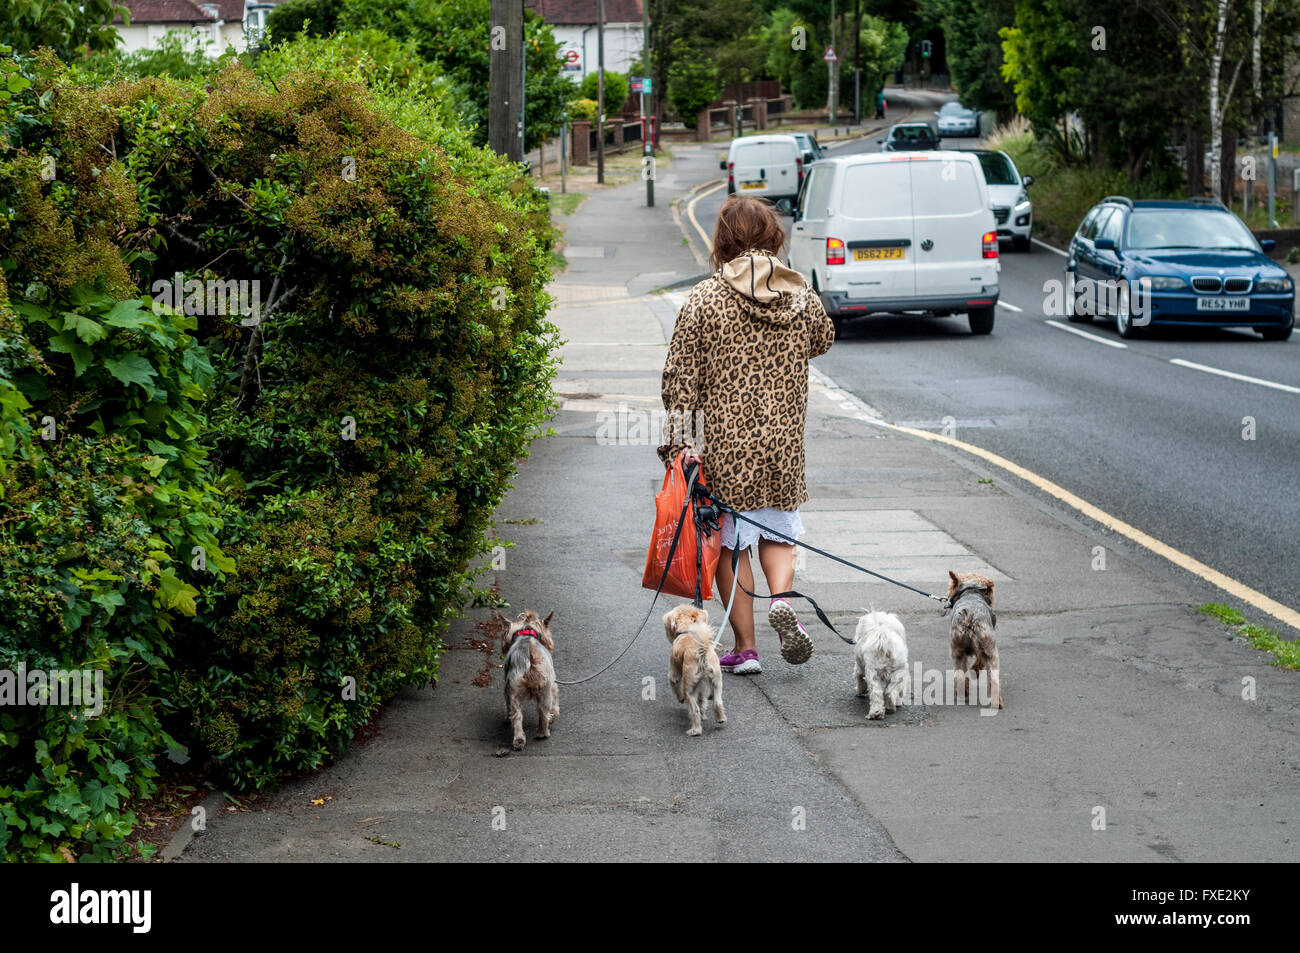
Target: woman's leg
{"x": 742, "y": 616}
{"x": 777, "y": 559}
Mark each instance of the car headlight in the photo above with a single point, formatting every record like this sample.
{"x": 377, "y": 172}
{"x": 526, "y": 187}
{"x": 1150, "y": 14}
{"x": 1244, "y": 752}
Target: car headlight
{"x": 1273, "y": 284}
{"x": 1166, "y": 283}
{"x": 1022, "y": 199}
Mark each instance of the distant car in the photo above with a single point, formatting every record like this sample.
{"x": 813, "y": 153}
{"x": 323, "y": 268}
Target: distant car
{"x": 769, "y": 166}
{"x": 909, "y": 137}
{"x": 1012, "y": 210}
{"x": 954, "y": 119}
{"x": 812, "y": 150}
{"x": 1189, "y": 262}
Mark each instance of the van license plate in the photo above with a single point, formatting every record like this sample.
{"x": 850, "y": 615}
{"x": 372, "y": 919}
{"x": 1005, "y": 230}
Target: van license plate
{"x": 875, "y": 254}
{"x": 1223, "y": 304}
{"x": 753, "y": 185}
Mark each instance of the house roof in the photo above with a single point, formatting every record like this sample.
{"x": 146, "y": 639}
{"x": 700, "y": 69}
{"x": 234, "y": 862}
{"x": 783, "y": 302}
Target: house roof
{"x": 182, "y": 11}
{"x": 583, "y": 12}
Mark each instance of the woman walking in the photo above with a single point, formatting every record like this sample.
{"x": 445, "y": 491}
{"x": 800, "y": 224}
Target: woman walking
{"x": 735, "y": 387}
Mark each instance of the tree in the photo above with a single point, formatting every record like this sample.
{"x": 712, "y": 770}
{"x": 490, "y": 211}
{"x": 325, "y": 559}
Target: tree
{"x": 66, "y": 27}
{"x": 974, "y": 51}
{"x": 616, "y": 88}
{"x": 692, "y": 83}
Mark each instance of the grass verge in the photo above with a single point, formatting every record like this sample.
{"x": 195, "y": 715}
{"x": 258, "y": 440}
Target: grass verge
{"x": 1286, "y": 654}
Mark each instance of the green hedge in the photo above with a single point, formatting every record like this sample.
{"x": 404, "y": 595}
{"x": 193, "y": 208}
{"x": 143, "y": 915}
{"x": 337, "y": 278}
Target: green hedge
{"x": 256, "y": 533}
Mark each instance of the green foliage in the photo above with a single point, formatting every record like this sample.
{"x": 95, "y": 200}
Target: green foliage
{"x": 178, "y": 54}
{"x": 973, "y": 49}
{"x": 316, "y": 17}
{"x": 693, "y": 83}
{"x": 382, "y": 240}
{"x": 65, "y": 26}
{"x": 616, "y": 87}
{"x": 584, "y": 109}
{"x": 1286, "y": 652}
{"x": 454, "y": 37}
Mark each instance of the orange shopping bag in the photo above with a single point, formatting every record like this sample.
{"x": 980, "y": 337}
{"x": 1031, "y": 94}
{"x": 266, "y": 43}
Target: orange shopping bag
{"x": 671, "y": 502}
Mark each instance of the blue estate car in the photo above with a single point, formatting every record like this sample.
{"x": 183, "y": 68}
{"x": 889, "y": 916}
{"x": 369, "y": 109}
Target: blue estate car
{"x": 1189, "y": 262}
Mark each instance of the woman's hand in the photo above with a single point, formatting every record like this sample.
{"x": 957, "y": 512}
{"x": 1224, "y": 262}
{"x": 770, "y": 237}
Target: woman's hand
{"x": 689, "y": 456}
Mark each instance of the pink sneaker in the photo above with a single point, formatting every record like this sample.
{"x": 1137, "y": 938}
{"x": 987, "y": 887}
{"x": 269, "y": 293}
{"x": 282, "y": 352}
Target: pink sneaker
{"x": 729, "y": 661}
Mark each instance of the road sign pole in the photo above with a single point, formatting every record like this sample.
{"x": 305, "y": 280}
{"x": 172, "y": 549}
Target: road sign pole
{"x": 1272, "y": 179}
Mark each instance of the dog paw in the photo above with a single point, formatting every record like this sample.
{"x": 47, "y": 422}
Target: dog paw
{"x": 694, "y": 732}
{"x": 876, "y": 714}
{"x": 518, "y": 743}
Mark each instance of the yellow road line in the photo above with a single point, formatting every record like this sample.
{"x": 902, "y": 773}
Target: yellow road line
{"x": 1238, "y": 590}
{"x": 690, "y": 213}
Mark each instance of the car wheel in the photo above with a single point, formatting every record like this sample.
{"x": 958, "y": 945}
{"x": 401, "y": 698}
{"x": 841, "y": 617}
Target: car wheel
{"x": 1021, "y": 244}
{"x": 1277, "y": 334}
{"x": 1072, "y": 312}
{"x": 981, "y": 320}
{"x": 1124, "y": 314}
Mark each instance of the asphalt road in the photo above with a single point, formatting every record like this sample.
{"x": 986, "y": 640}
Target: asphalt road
{"x": 1157, "y": 444}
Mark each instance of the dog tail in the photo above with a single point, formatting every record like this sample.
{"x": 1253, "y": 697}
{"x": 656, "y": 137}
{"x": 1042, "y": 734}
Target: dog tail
{"x": 533, "y": 656}
{"x": 702, "y": 646}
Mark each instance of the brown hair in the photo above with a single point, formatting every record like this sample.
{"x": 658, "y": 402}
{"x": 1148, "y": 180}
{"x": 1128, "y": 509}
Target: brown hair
{"x": 746, "y": 222}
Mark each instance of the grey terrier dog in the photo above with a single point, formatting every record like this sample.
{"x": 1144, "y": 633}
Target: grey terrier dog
{"x": 530, "y": 673}
{"x": 971, "y": 636}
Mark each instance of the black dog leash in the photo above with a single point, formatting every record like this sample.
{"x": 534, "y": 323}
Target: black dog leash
{"x": 672, "y": 550}
{"x": 735, "y": 561}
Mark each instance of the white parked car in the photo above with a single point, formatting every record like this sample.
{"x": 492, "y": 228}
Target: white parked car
{"x": 1012, "y": 210}
{"x": 770, "y": 166}
{"x": 891, "y": 232}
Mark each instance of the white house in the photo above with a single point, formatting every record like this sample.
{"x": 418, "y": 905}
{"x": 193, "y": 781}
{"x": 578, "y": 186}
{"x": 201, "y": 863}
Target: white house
{"x": 574, "y": 24}
{"x": 218, "y": 23}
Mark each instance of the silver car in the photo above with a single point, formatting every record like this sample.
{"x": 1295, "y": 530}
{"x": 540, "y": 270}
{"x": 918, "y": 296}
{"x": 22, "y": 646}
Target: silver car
{"x": 954, "y": 119}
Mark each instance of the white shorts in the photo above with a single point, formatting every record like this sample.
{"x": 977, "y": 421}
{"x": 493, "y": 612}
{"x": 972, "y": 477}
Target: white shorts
{"x": 783, "y": 521}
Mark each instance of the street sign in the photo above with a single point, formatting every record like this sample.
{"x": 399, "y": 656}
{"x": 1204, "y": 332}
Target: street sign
{"x": 571, "y": 60}
{"x": 830, "y": 56}
{"x": 635, "y": 84}
{"x": 645, "y": 85}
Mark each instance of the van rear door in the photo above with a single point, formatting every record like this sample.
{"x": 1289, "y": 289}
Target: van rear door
{"x": 874, "y": 212}
{"x": 951, "y": 216}
{"x": 766, "y": 166}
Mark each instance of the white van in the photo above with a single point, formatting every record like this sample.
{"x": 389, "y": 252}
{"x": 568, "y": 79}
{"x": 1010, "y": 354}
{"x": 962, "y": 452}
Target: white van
{"x": 899, "y": 232}
{"x": 770, "y": 166}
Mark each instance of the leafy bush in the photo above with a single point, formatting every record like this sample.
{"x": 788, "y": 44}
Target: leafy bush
{"x": 401, "y": 273}
{"x": 177, "y": 53}
{"x": 616, "y": 87}
{"x": 693, "y": 83}
{"x": 583, "y": 109}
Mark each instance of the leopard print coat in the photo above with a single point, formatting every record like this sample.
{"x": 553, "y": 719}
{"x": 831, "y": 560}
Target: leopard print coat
{"x": 735, "y": 384}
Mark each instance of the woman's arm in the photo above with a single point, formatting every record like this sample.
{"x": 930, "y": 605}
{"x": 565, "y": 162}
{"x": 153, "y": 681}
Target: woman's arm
{"x": 821, "y": 330}
{"x": 680, "y": 387}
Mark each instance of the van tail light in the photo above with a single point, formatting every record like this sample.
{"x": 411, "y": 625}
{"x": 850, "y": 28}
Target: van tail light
{"x": 834, "y": 251}
{"x": 990, "y": 244}
{"x": 731, "y": 174}
{"x": 798, "y": 164}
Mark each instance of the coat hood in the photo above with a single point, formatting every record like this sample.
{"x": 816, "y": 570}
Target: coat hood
{"x": 769, "y": 289}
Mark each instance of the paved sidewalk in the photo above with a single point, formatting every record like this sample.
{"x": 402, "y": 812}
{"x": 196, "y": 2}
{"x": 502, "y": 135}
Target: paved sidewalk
{"x": 1119, "y": 697}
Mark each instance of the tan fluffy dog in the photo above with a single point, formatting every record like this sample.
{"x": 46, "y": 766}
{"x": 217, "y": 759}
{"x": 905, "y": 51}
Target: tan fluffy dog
{"x": 694, "y": 672}
{"x": 530, "y": 673}
{"x": 971, "y": 636}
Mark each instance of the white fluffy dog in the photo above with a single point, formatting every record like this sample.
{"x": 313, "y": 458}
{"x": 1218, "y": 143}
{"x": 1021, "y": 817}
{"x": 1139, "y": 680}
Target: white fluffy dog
{"x": 880, "y": 661}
